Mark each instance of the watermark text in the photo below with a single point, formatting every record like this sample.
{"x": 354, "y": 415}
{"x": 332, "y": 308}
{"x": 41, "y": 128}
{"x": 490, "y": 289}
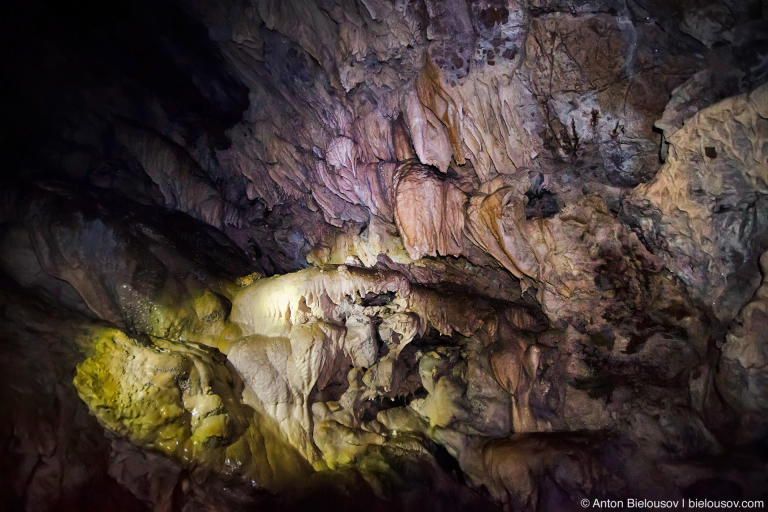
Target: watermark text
{"x": 676, "y": 504}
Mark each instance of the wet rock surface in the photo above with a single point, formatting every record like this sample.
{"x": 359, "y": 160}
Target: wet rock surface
{"x": 392, "y": 255}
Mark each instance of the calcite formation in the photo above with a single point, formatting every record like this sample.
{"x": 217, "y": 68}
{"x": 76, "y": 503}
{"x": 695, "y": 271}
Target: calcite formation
{"x": 702, "y": 206}
{"x": 384, "y": 254}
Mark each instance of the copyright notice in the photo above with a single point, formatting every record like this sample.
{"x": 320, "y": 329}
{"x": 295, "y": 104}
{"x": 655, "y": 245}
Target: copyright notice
{"x": 678, "y": 504}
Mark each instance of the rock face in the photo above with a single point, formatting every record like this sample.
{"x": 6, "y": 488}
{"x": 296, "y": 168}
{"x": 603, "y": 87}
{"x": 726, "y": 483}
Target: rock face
{"x": 703, "y": 210}
{"x": 743, "y": 358}
{"x": 383, "y": 254}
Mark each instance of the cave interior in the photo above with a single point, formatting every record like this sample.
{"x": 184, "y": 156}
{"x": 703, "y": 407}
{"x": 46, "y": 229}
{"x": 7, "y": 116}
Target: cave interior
{"x": 502, "y": 255}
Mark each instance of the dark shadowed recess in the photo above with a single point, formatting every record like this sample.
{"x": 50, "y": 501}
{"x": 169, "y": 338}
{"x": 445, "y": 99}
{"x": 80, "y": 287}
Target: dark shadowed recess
{"x": 78, "y": 65}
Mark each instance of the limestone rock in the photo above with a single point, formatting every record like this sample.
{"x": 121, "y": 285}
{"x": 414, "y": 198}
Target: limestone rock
{"x": 382, "y": 254}
{"x": 706, "y": 205}
{"x": 740, "y": 378}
